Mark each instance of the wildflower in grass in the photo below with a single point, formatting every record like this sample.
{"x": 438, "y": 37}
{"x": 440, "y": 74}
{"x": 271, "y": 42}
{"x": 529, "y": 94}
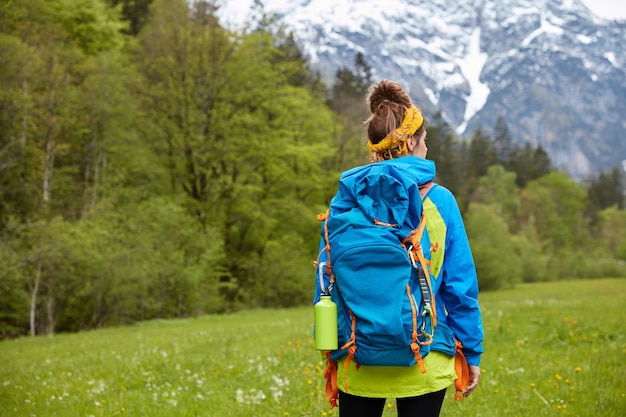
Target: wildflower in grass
{"x": 578, "y": 369}
{"x": 532, "y": 385}
{"x": 559, "y": 377}
{"x": 388, "y": 405}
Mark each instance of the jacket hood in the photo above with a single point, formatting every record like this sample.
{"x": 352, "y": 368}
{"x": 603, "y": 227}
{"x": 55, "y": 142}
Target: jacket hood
{"x": 423, "y": 169}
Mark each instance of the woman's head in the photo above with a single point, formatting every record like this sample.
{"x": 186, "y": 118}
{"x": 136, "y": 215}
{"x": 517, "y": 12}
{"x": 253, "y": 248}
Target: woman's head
{"x": 396, "y": 127}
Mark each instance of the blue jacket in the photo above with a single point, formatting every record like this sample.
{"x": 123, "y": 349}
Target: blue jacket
{"x": 455, "y": 285}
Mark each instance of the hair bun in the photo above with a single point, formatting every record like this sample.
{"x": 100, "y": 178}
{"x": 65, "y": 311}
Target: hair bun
{"x": 387, "y": 92}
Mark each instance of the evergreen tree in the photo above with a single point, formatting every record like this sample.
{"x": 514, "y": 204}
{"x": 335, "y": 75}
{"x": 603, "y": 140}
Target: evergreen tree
{"x": 503, "y": 142}
{"x": 446, "y": 150}
{"x": 529, "y": 163}
{"x": 351, "y": 84}
{"x": 608, "y": 189}
{"x": 482, "y": 154}
{"x": 541, "y": 163}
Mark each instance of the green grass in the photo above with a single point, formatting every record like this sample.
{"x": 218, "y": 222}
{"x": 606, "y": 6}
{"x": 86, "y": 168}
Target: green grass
{"x": 551, "y": 349}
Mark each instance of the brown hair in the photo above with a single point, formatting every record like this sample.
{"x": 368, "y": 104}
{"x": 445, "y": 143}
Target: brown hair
{"x": 388, "y": 102}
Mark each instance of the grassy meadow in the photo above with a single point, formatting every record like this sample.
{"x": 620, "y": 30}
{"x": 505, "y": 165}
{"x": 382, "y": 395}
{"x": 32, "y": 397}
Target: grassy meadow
{"x": 551, "y": 349}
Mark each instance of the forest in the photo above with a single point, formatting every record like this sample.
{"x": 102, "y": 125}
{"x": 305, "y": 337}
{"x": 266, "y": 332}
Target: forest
{"x": 156, "y": 164}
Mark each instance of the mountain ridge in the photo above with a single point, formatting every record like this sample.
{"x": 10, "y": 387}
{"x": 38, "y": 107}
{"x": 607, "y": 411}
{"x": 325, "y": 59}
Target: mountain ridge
{"x": 554, "y": 70}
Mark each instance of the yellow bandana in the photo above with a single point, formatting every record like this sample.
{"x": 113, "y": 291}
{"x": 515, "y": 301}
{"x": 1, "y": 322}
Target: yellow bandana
{"x": 397, "y": 139}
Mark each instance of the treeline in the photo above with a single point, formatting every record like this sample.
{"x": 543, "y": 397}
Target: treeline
{"x": 155, "y": 164}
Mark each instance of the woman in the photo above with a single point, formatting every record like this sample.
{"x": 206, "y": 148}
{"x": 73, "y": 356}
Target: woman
{"x": 455, "y": 285}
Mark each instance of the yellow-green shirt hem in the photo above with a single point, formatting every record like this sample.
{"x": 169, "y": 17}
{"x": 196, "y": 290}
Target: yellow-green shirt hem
{"x": 398, "y": 381}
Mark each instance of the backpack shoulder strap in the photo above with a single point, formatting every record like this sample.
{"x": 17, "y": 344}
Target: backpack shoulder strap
{"x": 425, "y": 188}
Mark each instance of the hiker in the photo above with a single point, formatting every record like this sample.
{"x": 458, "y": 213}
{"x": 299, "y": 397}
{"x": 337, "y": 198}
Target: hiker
{"x": 397, "y": 131}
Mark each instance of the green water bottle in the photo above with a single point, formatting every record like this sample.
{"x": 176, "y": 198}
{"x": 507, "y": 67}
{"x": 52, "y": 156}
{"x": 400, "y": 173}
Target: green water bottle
{"x": 325, "y": 324}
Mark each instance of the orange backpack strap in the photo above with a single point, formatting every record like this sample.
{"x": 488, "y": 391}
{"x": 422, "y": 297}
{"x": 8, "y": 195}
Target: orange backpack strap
{"x": 330, "y": 374}
{"x": 462, "y": 371}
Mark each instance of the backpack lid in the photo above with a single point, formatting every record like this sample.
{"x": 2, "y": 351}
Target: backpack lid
{"x": 385, "y": 191}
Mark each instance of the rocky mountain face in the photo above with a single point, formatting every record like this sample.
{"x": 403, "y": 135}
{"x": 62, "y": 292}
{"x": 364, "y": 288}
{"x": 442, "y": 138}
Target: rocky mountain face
{"x": 556, "y": 72}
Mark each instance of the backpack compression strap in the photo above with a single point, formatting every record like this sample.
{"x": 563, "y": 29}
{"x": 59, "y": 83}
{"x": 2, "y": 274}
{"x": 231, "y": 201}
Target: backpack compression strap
{"x": 462, "y": 371}
{"x": 330, "y": 374}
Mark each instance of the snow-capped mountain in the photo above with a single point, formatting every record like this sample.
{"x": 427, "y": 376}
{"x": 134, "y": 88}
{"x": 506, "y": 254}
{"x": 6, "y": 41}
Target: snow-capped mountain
{"x": 556, "y": 72}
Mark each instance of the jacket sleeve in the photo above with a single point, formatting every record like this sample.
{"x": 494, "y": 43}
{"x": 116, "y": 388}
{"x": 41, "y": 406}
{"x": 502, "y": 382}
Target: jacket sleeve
{"x": 459, "y": 287}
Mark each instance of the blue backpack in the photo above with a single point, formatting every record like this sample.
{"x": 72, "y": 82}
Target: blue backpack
{"x": 372, "y": 264}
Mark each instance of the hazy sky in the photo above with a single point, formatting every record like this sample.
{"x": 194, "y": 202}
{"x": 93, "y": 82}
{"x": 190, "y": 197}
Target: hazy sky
{"x": 607, "y": 8}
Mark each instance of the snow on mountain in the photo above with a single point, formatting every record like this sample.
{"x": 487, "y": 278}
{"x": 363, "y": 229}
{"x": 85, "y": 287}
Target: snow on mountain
{"x": 555, "y": 70}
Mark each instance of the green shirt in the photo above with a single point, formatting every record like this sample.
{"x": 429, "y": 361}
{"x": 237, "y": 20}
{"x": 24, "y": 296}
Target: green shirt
{"x": 397, "y": 381}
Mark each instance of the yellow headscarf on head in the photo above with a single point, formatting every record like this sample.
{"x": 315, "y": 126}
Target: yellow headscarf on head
{"x": 397, "y": 139}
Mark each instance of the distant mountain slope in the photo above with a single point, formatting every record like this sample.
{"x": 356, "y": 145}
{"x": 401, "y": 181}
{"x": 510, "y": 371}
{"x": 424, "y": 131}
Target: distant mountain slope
{"x": 556, "y": 72}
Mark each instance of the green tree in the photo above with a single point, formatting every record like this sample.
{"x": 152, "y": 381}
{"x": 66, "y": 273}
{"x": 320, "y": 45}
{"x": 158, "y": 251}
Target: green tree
{"x": 65, "y": 93}
{"x": 533, "y": 256}
{"x": 135, "y": 12}
{"x": 557, "y": 203}
{"x": 498, "y": 190}
{"x": 91, "y": 24}
{"x": 498, "y": 264}
{"x": 243, "y": 143}
{"x": 612, "y": 231}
